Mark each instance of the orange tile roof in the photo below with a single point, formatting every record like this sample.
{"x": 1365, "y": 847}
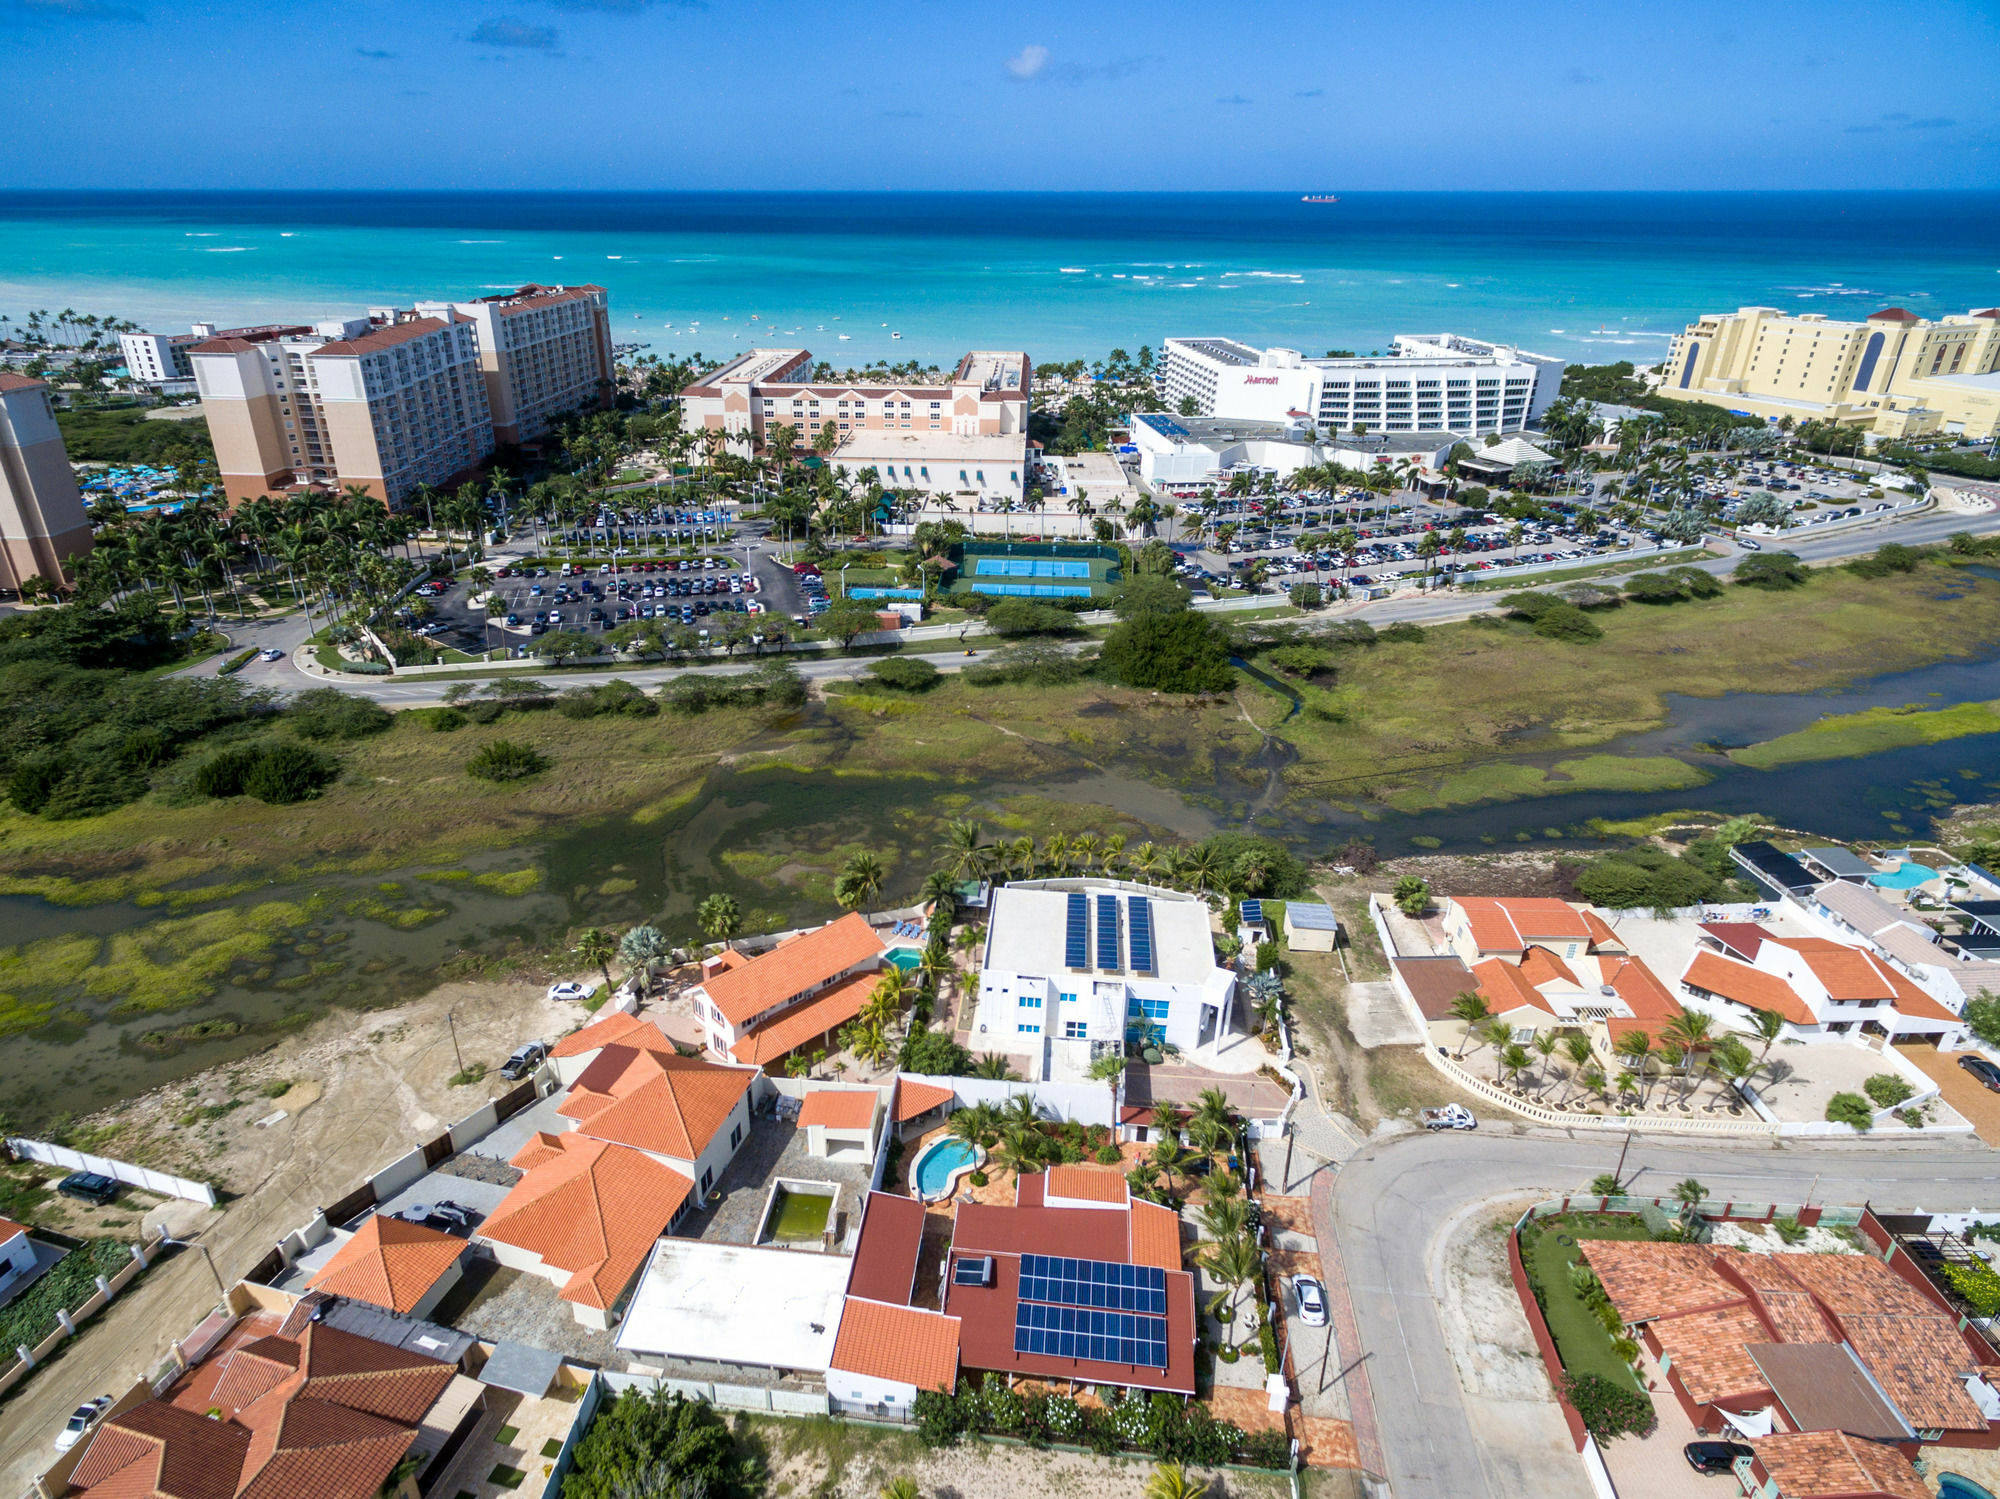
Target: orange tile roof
{"x": 384, "y": 338}
{"x": 914, "y": 1098}
{"x": 1085, "y": 1184}
{"x": 1747, "y": 986}
{"x": 1834, "y": 1465}
{"x": 806, "y": 1022}
{"x": 1644, "y": 995}
{"x": 540, "y": 1148}
{"x": 1921, "y": 1365}
{"x": 389, "y": 1263}
{"x": 655, "y": 1101}
{"x": 9, "y": 1228}
{"x": 1647, "y": 1281}
{"x": 1507, "y": 989}
{"x": 1156, "y": 1235}
{"x": 594, "y": 1212}
{"x": 1603, "y": 937}
{"x": 900, "y": 1343}
{"x": 1707, "y": 1350}
{"x": 618, "y": 1027}
{"x": 1539, "y": 966}
{"x": 1505, "y": 924}
{"x": 1858, "y": 1285}
{"x": 791, "y": 968}
{"x": 838, "y": 1108}
{"x": 1847, "y": 972}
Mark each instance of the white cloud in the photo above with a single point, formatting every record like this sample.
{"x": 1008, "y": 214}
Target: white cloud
{"x": 1029, "y": 61}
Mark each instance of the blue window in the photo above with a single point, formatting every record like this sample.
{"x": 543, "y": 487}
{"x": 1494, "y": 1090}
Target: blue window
{"x": 1029, "y": 1030}
{"x": 1068, "y": 999}
{"x": 1149, "y": 1009}
{"x": 1869, "y": 354}
{"x": 1687, "y": 371}
{"x": 1031, "y": 1001}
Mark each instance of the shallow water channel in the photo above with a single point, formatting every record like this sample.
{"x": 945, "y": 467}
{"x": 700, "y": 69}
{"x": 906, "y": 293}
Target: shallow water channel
{"x": 766, "y": 838}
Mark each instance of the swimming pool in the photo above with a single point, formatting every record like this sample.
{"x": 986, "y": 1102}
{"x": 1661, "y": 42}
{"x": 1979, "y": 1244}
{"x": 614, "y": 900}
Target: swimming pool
{"x": 905, "y": 958}
{"x": 937, "y": 1169}
{"x": 1955, "y": 1486}
{"x": 1906, "y": 878}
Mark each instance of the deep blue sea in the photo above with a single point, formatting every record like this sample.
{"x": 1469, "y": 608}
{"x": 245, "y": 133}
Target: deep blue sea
{"x": 1587, "y": 276}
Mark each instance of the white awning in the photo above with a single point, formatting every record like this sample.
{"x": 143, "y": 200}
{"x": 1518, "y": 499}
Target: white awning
{"x": 1750, "y": 1424}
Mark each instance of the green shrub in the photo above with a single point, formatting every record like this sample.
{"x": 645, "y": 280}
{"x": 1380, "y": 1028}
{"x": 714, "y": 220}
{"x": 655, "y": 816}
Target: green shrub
{"x": 440, "y": 720}
{"x": 1888, "y": 1090}
{"x": 1403, "y": 632}
{"x": 1184, "y": 652}
{"x": 1976, "y": 1283}
{"x": 287, "y": 772}
{"x": 1568, "y": 623}
{"x": 1772, "y": 570}
{"x": 237, "y": 662}
{"x": 1267, "y": 1339}
{"x": 905, "y": 673}
{"x": 1790, "y": 1230}
{"x": 504, "y": 760}
{"x": 1851, "y": 1108}
{"x": 1608, "y": 1410}
{"x": 225, "y": 772}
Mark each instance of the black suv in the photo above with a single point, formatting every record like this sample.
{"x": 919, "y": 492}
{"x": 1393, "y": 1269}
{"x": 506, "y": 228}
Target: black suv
{"x": 89, "y": 1186}
{"x": 1715, "y": 1457}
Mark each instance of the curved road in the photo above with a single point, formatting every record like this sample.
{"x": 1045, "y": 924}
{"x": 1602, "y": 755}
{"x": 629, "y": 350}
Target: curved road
{"x": 1394, "y": 1201}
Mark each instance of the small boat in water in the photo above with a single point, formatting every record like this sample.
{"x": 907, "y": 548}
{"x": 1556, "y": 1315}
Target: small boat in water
{"x": 1319, "y": 198}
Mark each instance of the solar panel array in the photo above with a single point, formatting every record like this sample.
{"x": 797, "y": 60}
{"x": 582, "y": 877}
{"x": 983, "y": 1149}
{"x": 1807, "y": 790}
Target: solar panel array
{"x": 1076, "y": 931}
{"x": 1139, "y": 932}
{"x": 1095, "y": 1283}
{"x": 1079, "y": 1332}
{"x": 1107, "y": 931}
{"x": 1253, "y": 912}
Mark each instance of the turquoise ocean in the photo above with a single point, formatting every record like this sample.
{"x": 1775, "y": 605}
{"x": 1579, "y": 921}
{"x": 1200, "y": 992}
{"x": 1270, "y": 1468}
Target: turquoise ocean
{"x": 1590, "y": 277}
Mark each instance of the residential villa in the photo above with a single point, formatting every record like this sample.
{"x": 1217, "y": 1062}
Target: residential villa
{"x": 1824, "y": 989}
{"x": 759, "y": 1010}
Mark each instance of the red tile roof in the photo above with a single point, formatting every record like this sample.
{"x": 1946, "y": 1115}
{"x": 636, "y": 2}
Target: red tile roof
{"x": 897, "y": 1342}
{"x": 21, "y": 382}
{"x": 1708, "y": 1351}
{"x": 1156, "y": 1235}
{"x": 1539, "y": 966}
{"x": 594, "y": 1211}
{"x": 886, "y": 1254}
{"x": 384, "y": 338}
{"x": 9, "y": 1228}
{"x": 1507, "y": 989}
{"x": 389, "y": 1263}
{"x": 655, "y": 1101}
{"x": 838, "y": 1108}
{"x": 1603, "y": 936}
{"x": 914, "y": 1098}
{"x": 335, "y": 1422}
{"x": 1894, "y": 315}
{"x": 1742, "y": 938}
{"x": 1434, "y": 983}
{"x": 1834, "y": 1465}
{"x": 1847, "y": 972}
{"x": 1747, "y": 986}
{"x": 791, "y": 968}
{"x": 1506, "y": 924}
{"x": 806, "y": 1022}
{"x": 1646, "y": 1281}
{"x": 1645, "y": 996}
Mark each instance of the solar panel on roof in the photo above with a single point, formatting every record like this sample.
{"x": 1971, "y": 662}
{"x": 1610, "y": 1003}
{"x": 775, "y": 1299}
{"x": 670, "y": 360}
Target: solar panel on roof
{"x": 1139, "y": 932}
{"x": 975, "y": 1270}
{"x": 1076, "y": 931}
{"x": 1107, "y": 931}
{"x": 1093, "y": 1283}
{"x": 1080, "y": 1332}
{"x": 1253, "y": 912}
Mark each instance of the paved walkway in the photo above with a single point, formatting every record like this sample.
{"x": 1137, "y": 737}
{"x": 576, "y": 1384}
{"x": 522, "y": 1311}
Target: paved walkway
{"x": 1340, "y": 1309}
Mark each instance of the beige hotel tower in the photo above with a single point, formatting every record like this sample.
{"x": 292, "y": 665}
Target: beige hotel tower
{"x": 42, "y": 520}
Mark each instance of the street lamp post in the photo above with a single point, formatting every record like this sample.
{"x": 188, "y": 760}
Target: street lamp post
{"x": 206, "y": 1256}
{"x": 451, "y": 1020}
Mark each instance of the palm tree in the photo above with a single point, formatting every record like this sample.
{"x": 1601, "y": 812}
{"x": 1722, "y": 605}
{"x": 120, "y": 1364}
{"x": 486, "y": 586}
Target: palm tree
{"x": 1689, "y": 1030}
{"x": 1108, "y": 1069}
{"x": 973, "y": 1124}
{"x": 1224, "y": 1217}
{"x": 966, "y": 854}
{"x": 1235, "y": 1261}
{"x": 1731, "y": 1061}
{"x": 1544, "y": 1044}
{"x": 720, "y": 917}
{"x": 1637, "y": 1048}
{"x": 595, "y": 947}
{"x": 1576, "y": 1046}
{"x": 993, "y": 1067}
{"x": 642, "y": 947}
{"x": 859, "y": 881}
{"x": 902, "y": 1486}
{"x": 1768, "y": 1025}
{"x": 1512, "y": 1059}
{"x": 1472, "y": 1008}
{"x": 1169, "y": 1155}
{"x": 1689, "y": 1194}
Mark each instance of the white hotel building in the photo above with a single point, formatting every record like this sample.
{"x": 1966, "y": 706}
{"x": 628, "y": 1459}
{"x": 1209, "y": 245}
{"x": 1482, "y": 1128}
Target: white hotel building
{"x": 1431, "y": 382}
{"x": 1083, "y": 960}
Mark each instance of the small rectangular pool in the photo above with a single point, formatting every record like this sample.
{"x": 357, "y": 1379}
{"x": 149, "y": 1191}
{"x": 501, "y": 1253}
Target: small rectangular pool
{"x": 797, "y": 1216}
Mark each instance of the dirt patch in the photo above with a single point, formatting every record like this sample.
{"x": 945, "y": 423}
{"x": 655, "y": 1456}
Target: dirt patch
{"x": 1515, "y": 872}
{"x": 1491, "y": 1345}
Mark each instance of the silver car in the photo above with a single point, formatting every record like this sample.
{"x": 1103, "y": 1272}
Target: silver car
{"x": 1311, "y": 1297}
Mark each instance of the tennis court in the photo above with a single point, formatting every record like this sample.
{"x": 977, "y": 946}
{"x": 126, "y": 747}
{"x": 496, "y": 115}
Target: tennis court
{"x": 1037, "y": 590}
{"x": 1030, "y": 567}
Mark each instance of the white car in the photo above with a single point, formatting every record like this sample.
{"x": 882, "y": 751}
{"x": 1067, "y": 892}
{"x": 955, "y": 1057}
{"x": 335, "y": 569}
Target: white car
{"x": 1311, "y": 1297}
{"x": 273, "y": 654}
{"x": 569, "y": 990}
{"x": 1451, "y": 1116}
{"x": 80, "y": 1421}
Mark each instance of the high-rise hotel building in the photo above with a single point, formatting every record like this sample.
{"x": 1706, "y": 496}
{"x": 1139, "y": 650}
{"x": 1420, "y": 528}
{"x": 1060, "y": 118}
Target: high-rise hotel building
{"x": 403, "y": 397}
{"x": 1432, "y": 382}
{"x": 42, "y": 520}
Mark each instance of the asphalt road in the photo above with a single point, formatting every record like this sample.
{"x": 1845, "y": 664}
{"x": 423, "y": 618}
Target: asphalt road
{"x": 1393, "y": 1200}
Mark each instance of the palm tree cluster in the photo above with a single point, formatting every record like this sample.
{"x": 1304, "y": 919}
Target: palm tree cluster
{"x": 68, "y": 329}
{"x": 1019, "y": 1138}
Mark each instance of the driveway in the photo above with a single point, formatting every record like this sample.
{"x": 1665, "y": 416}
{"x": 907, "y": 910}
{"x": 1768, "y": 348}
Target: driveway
{"x": 1965, "y": 1093}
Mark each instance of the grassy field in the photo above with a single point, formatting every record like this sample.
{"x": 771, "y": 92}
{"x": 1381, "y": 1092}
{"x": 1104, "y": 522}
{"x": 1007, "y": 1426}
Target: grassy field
{"x": 1448, "y": 719}
{"x": 1839, "y": 736}
{"x": 125, "y": 436}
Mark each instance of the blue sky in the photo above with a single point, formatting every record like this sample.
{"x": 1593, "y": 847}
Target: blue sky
{"x": 1104, "y": 94}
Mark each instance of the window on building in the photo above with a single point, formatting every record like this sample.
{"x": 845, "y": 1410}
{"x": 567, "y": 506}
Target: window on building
{"x": 735, "y": 1136}
{"x": 1028, "y": 1030}
{"x": 1075, "y": 1030}
{"x": 1031, "y": 1001}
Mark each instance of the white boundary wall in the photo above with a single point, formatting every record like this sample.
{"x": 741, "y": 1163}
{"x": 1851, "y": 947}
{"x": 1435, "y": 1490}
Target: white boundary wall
{"x": 124, "y": 1171}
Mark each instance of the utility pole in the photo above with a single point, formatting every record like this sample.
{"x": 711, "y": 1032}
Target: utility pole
{"x": 1618, "y": 1172}
{"x": 450, "y": 1019}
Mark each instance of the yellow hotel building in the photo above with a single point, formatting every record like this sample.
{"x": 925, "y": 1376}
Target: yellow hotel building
{"x": 1896, "y": 373}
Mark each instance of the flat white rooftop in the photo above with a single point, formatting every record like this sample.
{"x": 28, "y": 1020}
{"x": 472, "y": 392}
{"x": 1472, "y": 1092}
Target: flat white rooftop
{"x": 730, "y": 1304}
{"x": 874, "y": 445}
{"x": 1027, "y": 931}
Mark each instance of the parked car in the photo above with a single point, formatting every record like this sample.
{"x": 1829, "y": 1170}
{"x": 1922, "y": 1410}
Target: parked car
{"x": 80, "y": 1421}
{"x": 89, "y": 1186}
{"x": 1715, "y": 1457}
{"x": 1450, "y": 1116}
{"x": 1748, "y": 545}
{"x": 1312, "y": 1300}
{"x": 1983, "y": 1070}
{"x": 569, "y": 990}
{"x": 272, "y": 653}
{"x": 524, "y": 1061}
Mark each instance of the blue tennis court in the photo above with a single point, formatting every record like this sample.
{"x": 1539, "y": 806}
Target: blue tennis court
{"x": 1035, "y": 590}
{"x": 1030, "y": 567}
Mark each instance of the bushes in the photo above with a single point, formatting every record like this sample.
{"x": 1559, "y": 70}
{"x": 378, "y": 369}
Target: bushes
{"x": 1776, "y": 571}
{"x": 1888, "y": 1090}
{"x": 1608, "y": 1410}
{"x": 610, "y": 697}
{"x": 280, "y": 772}
{"x": 1645, "y": 878}
{"x": 1976, "y": 1283}
{"x": 329, "y": 713}
{"x": 1672, "y": 586}
{"x": 1184, "y": 652}
{"x": 1023, "y": 617}
{"x": 1041, "y": 663}
{"x": 773, "y": 684}
{"x": 504, "y": 760}
{"x": 1402, "y": 632}
{"x": 905, "y": 673}
{"x": 1132, "y": 1421}
{"x": 1553, "y": 618}
{"x": 1892, "y": 557}
{"x": 237, "y": 662}
{"x": 1851, "y": 1108}
{"x": 1267, "y": 1339}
